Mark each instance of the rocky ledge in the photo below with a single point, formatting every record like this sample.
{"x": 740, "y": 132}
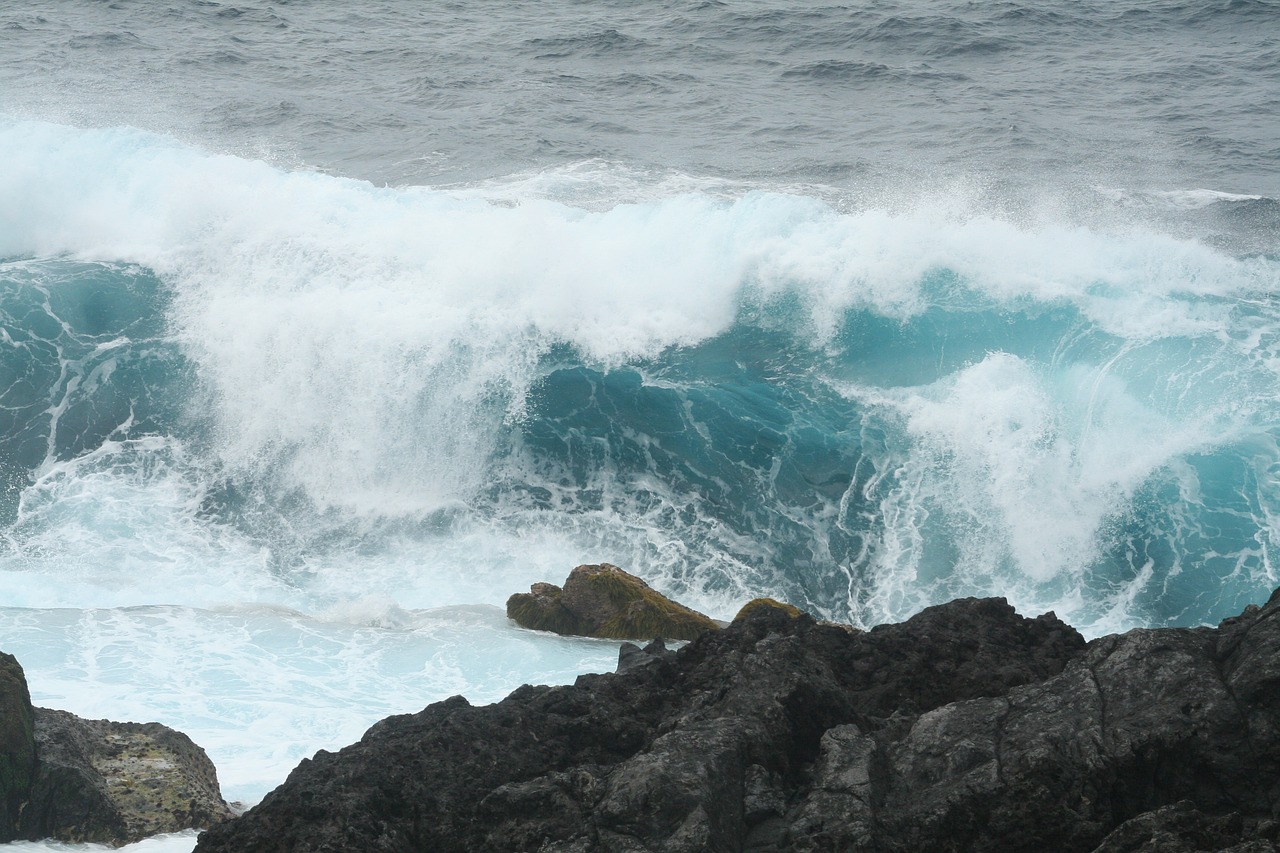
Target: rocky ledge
{"x": 80, "y": 780}
{"x": 966, "y": 728}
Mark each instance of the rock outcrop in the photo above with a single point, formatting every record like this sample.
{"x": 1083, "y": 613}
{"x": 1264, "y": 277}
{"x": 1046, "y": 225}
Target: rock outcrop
{"x": 605, "y": 601}
{"x": 630, "y": 655}
{"x": 115, "y": 783}
{"x": 79, "y": 780}
{"x": 966, "y": 728}
{"x": 17, "y": 744}
{"x": 728, "y": 744}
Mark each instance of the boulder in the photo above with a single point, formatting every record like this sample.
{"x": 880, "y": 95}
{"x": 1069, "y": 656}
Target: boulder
{"x": 630, "y": 655}
{"x": 605, "y": 601}
{"x": 117, "y": 783}
{"x": 542, "y": 609}
{"x": 78, "y": 780}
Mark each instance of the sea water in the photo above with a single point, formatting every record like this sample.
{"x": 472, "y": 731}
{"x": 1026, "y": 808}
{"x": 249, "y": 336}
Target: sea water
{"x": 325, "y": 329}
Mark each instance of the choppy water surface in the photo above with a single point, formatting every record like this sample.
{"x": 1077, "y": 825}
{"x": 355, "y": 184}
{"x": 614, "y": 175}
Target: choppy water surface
{"x": 324, "y": 329}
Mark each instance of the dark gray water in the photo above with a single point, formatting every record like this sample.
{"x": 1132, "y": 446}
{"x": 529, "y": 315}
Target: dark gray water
{"x": 1013, "y": 97}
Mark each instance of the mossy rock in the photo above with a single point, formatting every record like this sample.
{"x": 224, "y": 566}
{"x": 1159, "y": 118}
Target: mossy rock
{"x": 605, "y": 601}
{"x": 757, "y": 604}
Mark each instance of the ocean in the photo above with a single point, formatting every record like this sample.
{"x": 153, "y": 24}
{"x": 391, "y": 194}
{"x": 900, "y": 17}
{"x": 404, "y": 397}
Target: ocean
{"x": 325, "y": 327}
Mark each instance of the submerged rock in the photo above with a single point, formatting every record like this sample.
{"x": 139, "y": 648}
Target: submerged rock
{"x": 77, "y": 780}
{"x": 605, "y": 601}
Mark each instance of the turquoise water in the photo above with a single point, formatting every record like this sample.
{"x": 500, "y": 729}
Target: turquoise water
{"x": 276, "y": 373}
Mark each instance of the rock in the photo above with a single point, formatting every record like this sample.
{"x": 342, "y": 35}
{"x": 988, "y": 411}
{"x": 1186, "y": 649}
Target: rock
{"x": 542, "y": 609}
{"x": 714, "y": 748}
{"x": 117, "y": 783}
{"x": 966, "y": 728}
{"x": 17, "y": 744}
{"x": 80, "y": 780}
{"x": 1136, "y": 723}
{"x": 1181, "y": 828}
{"x": 755, "y": 603}
{"x": 630, "y": 655}
{"x": 605, "y": 601}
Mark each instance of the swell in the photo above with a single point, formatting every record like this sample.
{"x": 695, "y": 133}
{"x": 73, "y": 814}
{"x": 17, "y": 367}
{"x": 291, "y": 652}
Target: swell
{"x": 316, "y": 385}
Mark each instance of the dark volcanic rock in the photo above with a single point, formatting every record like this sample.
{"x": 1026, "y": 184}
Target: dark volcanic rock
{"x": 719, "y": 747}
{"x": 605, "y": 601}
{"x": 630, "y": 655}
{"x": 967, "y": 728}
{"x": 1181, "y": 828}
{"x": 117, "y": 782}
{"x": 93, "y": 780}
{"x": 17, "y": 744}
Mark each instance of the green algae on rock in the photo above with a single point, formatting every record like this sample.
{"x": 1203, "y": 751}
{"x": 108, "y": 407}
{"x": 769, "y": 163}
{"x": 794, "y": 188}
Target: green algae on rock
{"x": 77, "y": 780}
{"x": 771, "y": 603}
{"x": 116, "y": 783}
{"x": 605, "y": 601}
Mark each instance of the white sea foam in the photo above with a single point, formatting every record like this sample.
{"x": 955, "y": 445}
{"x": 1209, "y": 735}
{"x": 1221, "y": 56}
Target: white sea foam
{"x": 261, "y": 688}
{"x": 1193, "y": 199}
{"x": 177, "y": 842}
{"x": 369, "y": 343}
{"x": 368, "y": 347}
{"x": 1029, "y": 467}
{"x": 119, "y": 526}
{"x": 375, "y": 338}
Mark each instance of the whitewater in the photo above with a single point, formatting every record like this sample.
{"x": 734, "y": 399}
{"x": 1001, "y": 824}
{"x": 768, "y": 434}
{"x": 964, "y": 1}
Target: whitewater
{"x": 293, "y": 395}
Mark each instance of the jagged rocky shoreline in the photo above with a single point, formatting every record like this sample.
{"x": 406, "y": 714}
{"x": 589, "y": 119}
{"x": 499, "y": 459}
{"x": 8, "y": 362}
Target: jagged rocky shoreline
{"x": 966, "y": 728}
